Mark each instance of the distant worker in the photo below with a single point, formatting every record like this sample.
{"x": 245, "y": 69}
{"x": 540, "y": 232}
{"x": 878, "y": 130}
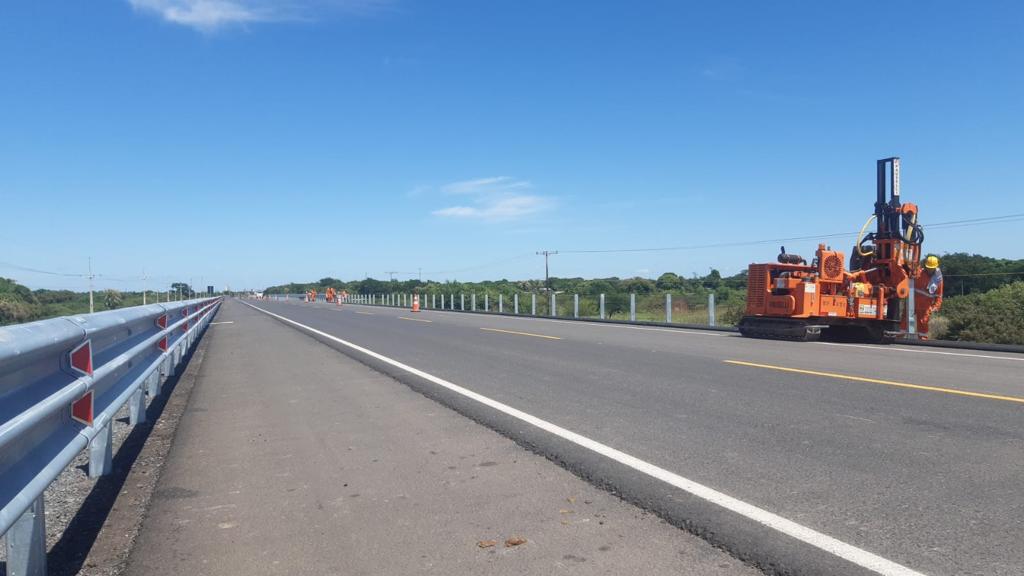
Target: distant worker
{"x": 927, "y": 293}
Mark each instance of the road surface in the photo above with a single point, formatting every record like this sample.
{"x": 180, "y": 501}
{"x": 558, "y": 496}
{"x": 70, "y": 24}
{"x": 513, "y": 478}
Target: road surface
{"x": 905, "y": 455}
{"x": 291, "y": 458}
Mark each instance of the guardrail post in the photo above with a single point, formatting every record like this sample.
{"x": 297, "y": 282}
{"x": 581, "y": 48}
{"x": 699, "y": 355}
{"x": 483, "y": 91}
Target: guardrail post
{"x": 462, "y": 302}
{"x": 533, "y": 304}
{"x": 487, "y": 302}
{"x": 602, "y": 306}
{"x": 451, "y": 300}
{"x": 433, "y": 301}
{"x": 632, "y": 307}
{"x": 101, "y": 449}
{"x": 442, "y": 301}
{"x": 26, "y": 542}
{"x": 575, "y": 305}
{"x": 554, "y": 305}
{"x": 153, "y": 382}
{"x": 472, "y": 302}
{"x": 711, "y": 309}
{"x": 668, "y": 307}
{"x": 515, "y": 303}
{"x": 501, "y": 304}
{"x": 137, "y": 407}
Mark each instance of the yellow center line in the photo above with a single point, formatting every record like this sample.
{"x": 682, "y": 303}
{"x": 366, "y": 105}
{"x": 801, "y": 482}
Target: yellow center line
{"x": 522, "y": 333}
{"x": 414, "y": 319}
{"x": 878, "y": 381}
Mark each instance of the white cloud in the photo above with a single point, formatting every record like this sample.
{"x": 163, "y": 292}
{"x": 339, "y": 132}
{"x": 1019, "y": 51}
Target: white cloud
{"x": 205, "y": 15}
{"x": 495, "y": 198}
{"x": 210, "y": 15}
{"x": 492, "y": 185}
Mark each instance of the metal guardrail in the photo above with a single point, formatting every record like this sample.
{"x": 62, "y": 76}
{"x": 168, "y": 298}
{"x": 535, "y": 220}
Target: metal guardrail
{"x": 61, "y": 383}
{"x": 561, "y": 305}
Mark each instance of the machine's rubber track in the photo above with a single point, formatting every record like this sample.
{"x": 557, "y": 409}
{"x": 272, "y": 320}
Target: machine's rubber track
{"x": 780, "y": 328}
{"x": 812, "y": 329}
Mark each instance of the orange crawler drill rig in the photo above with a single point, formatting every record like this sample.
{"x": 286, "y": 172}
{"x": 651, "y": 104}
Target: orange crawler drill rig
{"x": 796, "y": 301}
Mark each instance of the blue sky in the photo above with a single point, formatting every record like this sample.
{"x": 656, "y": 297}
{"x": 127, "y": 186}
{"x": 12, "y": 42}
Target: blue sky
{"x": 251, "y": 142}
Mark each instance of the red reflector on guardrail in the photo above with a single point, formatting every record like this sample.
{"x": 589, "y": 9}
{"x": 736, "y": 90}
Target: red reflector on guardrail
{"x": 162, "y": 344}
{"x": 161, "y": 321}
{"x": 82, "y": 409}
{"x": 80, "y": 359}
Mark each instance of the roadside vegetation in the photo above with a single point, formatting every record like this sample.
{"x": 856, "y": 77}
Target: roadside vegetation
{"x": 984, "y": 297}
{"x": 20, "y": 304}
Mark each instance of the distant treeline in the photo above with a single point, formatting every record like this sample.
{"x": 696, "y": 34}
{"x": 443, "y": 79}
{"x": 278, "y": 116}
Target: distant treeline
{"x": 964, "y": 273}
{"x": 21, "y": 304}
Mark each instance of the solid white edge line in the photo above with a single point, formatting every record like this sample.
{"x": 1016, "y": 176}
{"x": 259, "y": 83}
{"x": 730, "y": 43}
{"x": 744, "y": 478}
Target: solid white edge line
{"x": 848, "y": 552}
{"x": 227, "y": 322}
{"x": 914, "y": 350}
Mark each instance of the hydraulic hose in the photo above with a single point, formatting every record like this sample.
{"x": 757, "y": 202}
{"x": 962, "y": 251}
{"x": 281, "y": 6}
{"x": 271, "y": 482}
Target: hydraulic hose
{"x": 913, "y": 233}
{"x": 860, "y": 237}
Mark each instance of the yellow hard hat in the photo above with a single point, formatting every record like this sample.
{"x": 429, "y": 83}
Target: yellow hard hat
{"x": 931, "y": 262}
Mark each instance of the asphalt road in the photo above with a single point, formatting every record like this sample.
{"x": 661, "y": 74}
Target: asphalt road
{"x": 914, "y": 455}
{"x": 291, "y": 458}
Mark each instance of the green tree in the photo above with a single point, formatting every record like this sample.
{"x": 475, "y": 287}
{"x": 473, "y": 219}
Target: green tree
{"x": 669, "y": 281}
{"x": 112, "y": 299}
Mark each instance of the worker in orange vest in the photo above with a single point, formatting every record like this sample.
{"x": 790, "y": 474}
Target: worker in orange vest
{"x": 927, "y": 294}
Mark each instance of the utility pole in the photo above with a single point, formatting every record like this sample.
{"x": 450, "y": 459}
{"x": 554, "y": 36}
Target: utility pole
{"x": 392, "y": 274}
{"x": 144, "y": 288}
{"x": 420, "y": 272}
{"x": 546, "y": 253}
{"x": 91, "y": 309}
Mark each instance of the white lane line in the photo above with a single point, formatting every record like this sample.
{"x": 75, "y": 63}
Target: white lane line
{"x": 838, "y": 548}
{"x": 225, "y": 322}
{"x": 914, "y": 350}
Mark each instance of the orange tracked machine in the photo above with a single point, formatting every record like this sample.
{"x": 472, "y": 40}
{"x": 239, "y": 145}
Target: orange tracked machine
{"x": 794, "y": 300}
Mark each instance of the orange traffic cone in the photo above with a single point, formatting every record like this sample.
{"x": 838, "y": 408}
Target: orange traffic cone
{"x": 415, "y": 302}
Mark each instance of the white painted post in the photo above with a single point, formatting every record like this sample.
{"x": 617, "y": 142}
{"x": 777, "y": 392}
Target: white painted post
{"x": 533, "y": 304}
{"x": 575, "y": 305}
{"x": 911, "y": 314}
{"x": 515, "y": 303}
{"x": 472, "y": 302}
{"x": 554, "y": 305}
{"x": 632, "y": 307}
{"x": 668, "y": 307}
{"x": 602, "y": 306}
{"x": 711, "y": 309}
{"x": 487, "y": 302}
{"x": 501, "y": 304}
{"x": 462, "y": 302}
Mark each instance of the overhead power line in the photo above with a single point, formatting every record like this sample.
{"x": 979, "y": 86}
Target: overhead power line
{"x": 941, "y": 225}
